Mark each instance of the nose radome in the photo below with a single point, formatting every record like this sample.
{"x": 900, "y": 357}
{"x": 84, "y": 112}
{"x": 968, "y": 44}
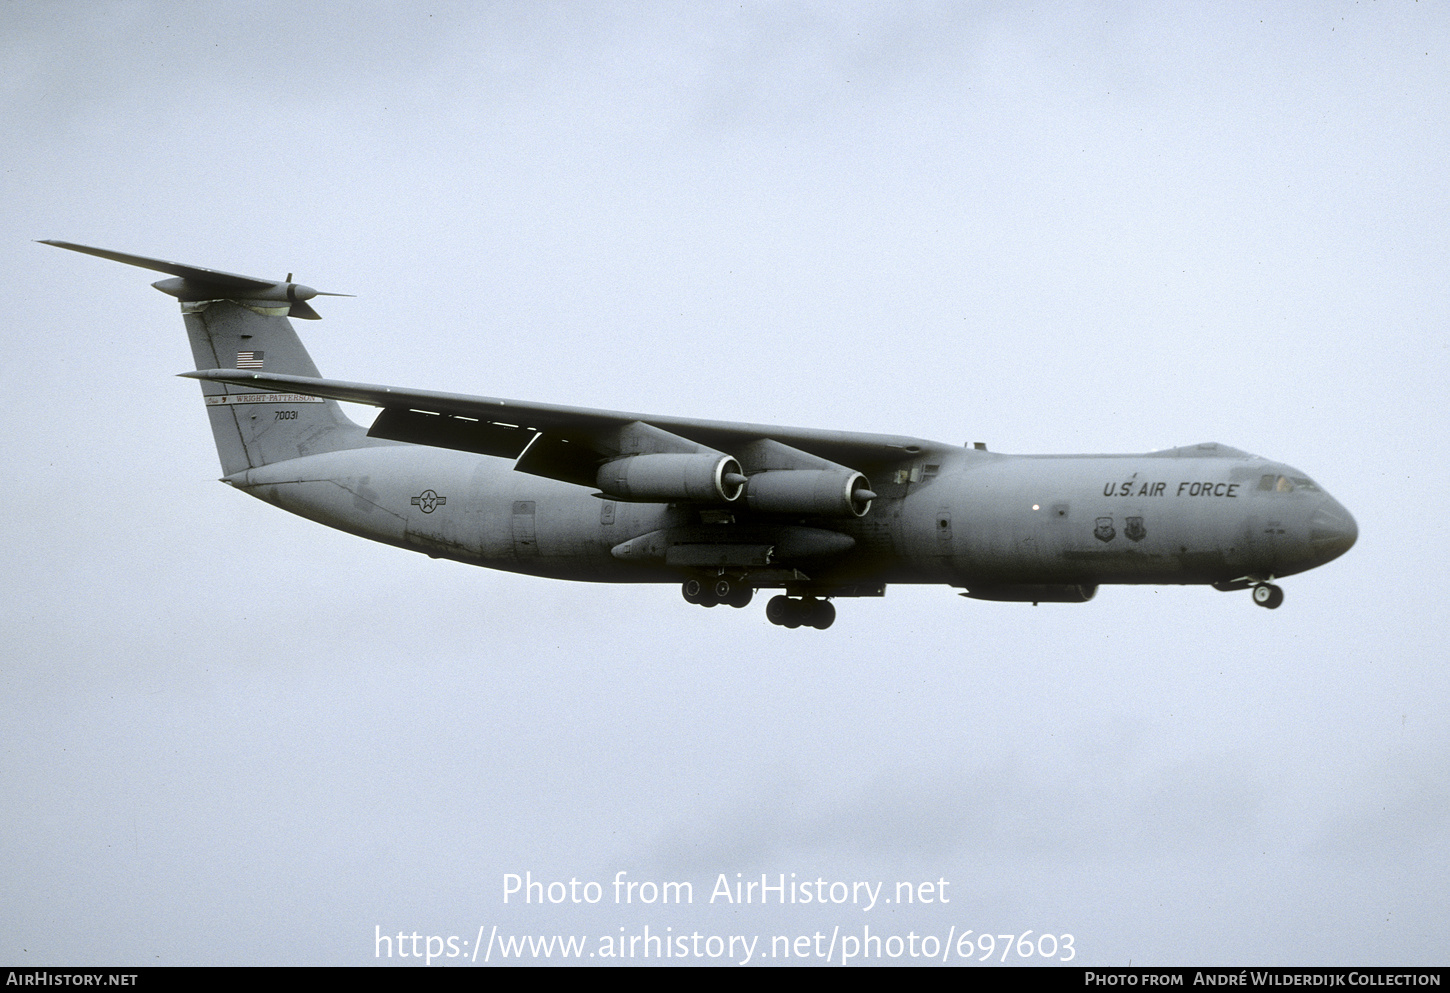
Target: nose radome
{"x": 1332, "y": 530}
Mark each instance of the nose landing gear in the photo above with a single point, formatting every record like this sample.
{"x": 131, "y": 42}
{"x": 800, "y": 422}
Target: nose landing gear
{"x": 1268, "y": 595}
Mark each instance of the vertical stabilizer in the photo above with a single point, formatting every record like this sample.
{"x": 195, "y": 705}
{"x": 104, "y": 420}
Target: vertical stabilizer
{"x": 253, "y": 428}
{"x": 240, "y": 322}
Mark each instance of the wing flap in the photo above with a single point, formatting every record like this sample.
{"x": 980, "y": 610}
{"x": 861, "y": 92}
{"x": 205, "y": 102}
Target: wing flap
{"x": 463, "y": 434}
{"x": 557, "y": 457}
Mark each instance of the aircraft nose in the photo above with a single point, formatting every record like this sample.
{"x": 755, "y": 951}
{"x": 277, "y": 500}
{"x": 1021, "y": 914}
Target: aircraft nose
{"x": 1332, "y": 531}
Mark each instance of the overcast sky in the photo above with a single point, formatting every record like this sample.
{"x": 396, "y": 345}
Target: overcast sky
{"x": 228, "y": 735}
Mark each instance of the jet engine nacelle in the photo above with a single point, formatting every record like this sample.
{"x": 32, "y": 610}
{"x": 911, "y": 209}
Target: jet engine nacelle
{"x": 810, "y": 492}
{"x": 701, "y": 477}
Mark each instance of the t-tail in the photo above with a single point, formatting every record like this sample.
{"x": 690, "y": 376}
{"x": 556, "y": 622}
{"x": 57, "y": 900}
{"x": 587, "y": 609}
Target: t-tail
{"x": 241, "y": 322}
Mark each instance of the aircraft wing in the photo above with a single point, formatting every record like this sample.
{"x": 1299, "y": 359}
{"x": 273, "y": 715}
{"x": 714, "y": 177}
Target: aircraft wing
{"x": 571, "y": 443}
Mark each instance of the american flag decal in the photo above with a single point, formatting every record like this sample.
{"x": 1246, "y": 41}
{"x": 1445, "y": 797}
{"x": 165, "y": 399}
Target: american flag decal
{"x": 249, "y": 360}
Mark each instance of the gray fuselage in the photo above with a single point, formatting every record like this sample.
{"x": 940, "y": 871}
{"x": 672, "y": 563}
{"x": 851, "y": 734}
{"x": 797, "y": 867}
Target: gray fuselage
{"x": 1203, "y": 514}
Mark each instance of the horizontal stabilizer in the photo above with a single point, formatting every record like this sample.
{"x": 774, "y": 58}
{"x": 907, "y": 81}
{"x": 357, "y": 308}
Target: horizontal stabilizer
{"x": 193, "y": 283}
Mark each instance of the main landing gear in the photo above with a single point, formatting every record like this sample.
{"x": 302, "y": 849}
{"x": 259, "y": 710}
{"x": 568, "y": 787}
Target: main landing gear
{"x": 1268, "y": 595}
{"x": 784, "y": 611}
{"x": 792, "y": 613}
{"x": 722, "y": 590}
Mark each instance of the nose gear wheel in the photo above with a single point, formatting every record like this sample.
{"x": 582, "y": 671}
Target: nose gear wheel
{"x": 1268, "y": 595}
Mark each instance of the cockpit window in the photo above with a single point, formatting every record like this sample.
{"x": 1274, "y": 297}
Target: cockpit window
{"x": 1285, "y": 484}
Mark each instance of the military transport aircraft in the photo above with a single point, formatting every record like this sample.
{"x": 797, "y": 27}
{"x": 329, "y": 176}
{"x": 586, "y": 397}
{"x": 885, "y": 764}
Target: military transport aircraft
{"x": 723, "y": 509}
